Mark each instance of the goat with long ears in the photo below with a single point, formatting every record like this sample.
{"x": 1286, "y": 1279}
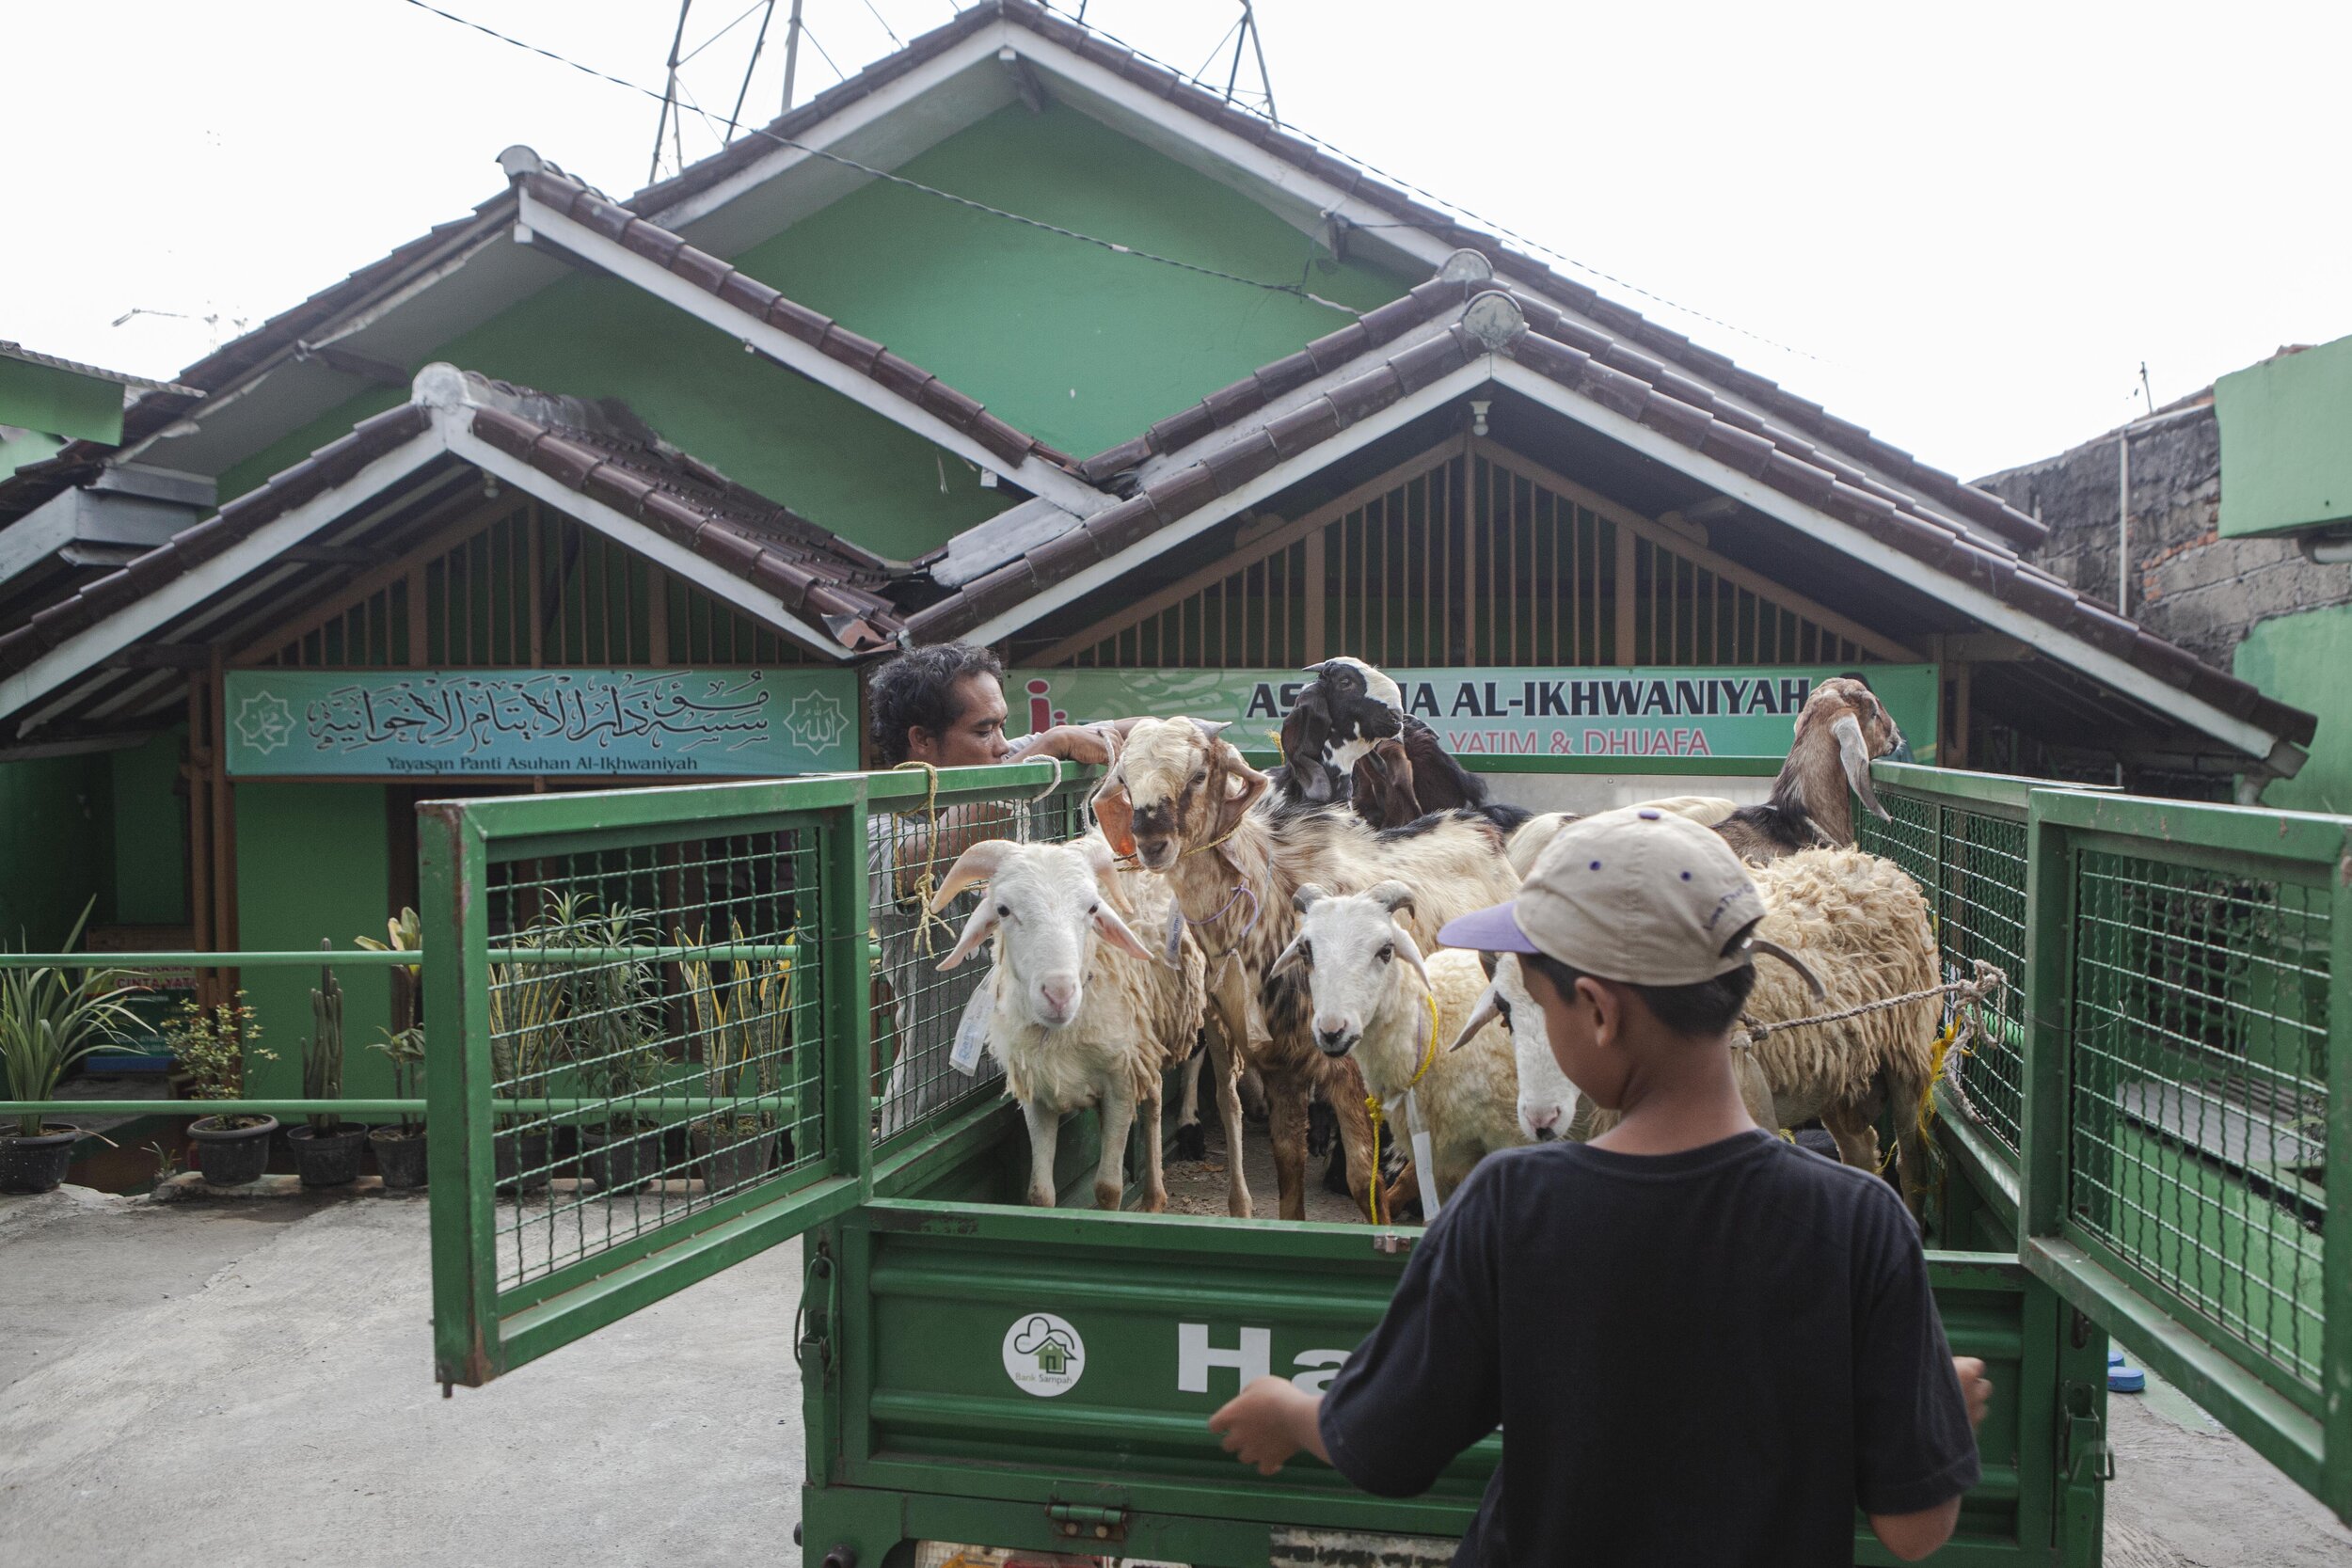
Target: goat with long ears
{"x": 1198, "y": 815}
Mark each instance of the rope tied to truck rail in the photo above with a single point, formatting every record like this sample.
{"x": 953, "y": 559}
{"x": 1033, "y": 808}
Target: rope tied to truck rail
{"x": 926, "y": 882}
{"x": 1961, "y": 1031}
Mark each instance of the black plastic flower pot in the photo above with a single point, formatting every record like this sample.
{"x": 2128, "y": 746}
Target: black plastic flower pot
{"x": 327, "y": 1159}
{"x": 519, "y": 1161}
{"x": 36, "y": 1164}
{"x": 736, "y": 1160}
{"x": 229, "y": 1156}
{"x": 399, "y": 1158}
{"x": 621, "y": 1159}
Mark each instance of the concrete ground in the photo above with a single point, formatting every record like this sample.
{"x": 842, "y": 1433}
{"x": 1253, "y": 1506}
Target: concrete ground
{"x": 251, "y": 1383}
{"x": 204, "y": 1383}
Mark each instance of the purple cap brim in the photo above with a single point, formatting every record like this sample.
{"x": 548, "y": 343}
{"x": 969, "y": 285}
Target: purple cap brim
{"x": 1495, "y": 929}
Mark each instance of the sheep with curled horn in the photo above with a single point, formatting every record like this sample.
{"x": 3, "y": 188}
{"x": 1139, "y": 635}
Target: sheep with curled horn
{"x": 1840, "y": 729}
{"x": 1081, "y": 1012}
{"x": 1182, "y": 800}
{"x": 1860, "y": 926}
{"x": 1376, "y": 998}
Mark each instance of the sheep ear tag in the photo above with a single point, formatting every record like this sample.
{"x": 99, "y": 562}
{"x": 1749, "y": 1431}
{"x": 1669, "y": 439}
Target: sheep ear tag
{"x": 971, "y": 1030}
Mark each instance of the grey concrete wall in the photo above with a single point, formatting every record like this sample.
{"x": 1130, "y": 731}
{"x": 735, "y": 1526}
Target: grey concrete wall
{"x": 2188, "y": 585}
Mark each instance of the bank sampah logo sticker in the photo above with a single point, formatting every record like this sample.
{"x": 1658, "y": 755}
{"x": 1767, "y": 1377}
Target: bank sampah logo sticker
{"x": 1043, "y": 1355}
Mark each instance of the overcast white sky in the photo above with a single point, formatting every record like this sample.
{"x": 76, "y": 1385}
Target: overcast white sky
{"x": 1973, "y": 223}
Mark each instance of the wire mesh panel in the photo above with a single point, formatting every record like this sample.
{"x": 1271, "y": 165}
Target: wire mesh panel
{"x": 647, "y": 1005}
{"x": 1967, "y": 853}
{"x": 914, "y": 832}
{"x": 2198, "y": 1079}
{"x": 641, "y": 1047}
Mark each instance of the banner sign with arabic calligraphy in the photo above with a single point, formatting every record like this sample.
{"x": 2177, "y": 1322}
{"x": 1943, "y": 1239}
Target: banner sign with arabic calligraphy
{"x": 1586, "y": 712}
{"x": 686, "y": 723}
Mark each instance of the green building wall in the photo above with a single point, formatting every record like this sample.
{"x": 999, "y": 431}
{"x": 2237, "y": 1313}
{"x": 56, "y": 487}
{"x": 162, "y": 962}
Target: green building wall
{"x": 312, "y": 867}
{"x": 57, "y": 827}
{"x": 1073, "y": 343}
{"x": 150, "y": 833}
{"x": 2303, "y": 660}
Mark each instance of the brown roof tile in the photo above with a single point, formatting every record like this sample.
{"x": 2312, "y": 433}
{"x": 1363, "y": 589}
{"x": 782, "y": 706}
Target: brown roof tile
{"x": 191, "y": 546}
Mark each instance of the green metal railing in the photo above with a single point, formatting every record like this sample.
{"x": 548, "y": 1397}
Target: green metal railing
{"x": 2156, "y": 1093}
{"x": 1963, "y": 838}
{"x": 598, "y": 958}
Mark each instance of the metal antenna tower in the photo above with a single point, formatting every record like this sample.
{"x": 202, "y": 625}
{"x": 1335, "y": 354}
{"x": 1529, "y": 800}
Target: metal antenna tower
{"x": 678, "y": 100}
{"x": 1246, "y": 35}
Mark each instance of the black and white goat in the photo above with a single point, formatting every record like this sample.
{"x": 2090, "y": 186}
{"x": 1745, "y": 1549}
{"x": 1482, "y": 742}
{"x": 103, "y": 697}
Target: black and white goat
{"x": 1349, "y": 738}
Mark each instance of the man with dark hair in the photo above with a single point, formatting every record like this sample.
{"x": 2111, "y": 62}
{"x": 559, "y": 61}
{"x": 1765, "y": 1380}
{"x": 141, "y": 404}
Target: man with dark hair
{"x": 940, "y": 706}
{"x": 1707, "y": 1347}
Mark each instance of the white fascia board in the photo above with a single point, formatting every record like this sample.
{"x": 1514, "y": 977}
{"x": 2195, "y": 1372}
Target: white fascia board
{"x": 633, "y": 535}
{"x": 95, "y": 644}
{"x": 1033, "y": 474}
{"x": 2061, "y": 647}
{"x": 1458, "y": 383}
{"x": 838, "y": 126}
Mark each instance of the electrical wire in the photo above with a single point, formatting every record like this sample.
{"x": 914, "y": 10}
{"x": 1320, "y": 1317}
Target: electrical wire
{"x": 1437, "y": 200}
{"x": 1294, "y": 289}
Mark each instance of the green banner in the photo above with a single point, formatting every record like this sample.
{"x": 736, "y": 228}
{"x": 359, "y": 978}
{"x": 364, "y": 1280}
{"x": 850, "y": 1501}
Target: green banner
{"x": 1747, "y": 712}
{"x": 368, "y": 723}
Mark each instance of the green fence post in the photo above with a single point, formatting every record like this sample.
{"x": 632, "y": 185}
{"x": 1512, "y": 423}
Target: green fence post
{"x": 2041, "y": 1157}
{"x": 849, "y": 991}
{"x": 453, "y": 884}
{"x": 2336, "y": 1238}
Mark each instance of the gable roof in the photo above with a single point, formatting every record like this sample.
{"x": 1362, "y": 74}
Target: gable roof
{"x": 1278, "y": 419}
{"x": 596, "y": 462}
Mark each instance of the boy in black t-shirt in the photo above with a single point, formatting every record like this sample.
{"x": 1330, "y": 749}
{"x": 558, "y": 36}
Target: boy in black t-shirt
{"x": 1708, "y": 1346}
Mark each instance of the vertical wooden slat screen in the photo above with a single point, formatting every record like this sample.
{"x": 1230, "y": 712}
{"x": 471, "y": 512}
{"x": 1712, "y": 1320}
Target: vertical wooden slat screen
{"x": 1473, "y": 557}
{"x": 535, "y": 590}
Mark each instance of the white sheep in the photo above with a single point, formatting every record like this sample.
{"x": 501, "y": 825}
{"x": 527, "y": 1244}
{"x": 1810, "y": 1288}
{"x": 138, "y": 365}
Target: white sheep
{"x": 1376, "y": 997}
{"x": 1081, "y": 1012}
{"x": 1860, "y": 924}
{"x": 1190, "y": 807}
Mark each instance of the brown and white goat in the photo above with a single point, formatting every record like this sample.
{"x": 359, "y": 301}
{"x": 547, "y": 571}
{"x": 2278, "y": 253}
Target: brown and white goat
{"x": 1182, "y": 802}
{"x": 1841, "y": 727}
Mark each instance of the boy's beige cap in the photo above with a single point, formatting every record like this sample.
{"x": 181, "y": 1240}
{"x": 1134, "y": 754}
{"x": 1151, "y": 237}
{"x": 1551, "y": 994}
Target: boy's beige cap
{"x": 1637, "y": 894}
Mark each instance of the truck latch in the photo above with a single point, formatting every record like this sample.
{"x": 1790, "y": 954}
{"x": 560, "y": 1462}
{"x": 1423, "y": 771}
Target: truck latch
{"x": 1083, "y": 1522}
{"x": 2083, "y": 1446}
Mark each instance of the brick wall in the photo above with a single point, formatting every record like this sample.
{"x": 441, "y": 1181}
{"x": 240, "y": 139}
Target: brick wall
{"x": 2189, "y": 585}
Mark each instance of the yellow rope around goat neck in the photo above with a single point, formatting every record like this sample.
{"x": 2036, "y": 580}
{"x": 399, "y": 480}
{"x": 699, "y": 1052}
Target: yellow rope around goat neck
{"x": 1379, "y": 1116}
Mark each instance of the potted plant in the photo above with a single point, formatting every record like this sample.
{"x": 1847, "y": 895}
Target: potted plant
{"x": 746, "y": 1031}
{"x": 326, "y": 1152}
{"x": 607, "y": 1006}
{"x": 211, "y": 1046}
{"x": 48, "y": 1022}
{"x": 400, "y": 1149}
{"x": 526, "y": 1003}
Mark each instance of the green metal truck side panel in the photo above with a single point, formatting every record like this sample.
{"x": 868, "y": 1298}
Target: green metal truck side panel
{"x": 2301, "y": 659}
{"x": 918, "y": 1400}
{"x": 312, "y": 867}
{"x": 1075, "y": 344}
{"x": 2282, "y": 446}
